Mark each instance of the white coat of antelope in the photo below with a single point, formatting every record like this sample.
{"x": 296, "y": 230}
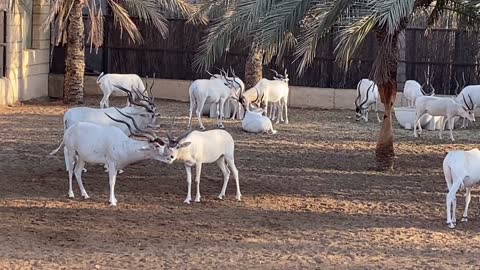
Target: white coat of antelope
{"x": 461, "y": 170}
{"x": 216, "y": 91}
{"x": 106, "y": 144}
{"x": 255, "y": 122}
{"x": 237, "y": 107}
{"x": 412, "y": 89}
{"x": 269, "y": 91}
{"x": 108, "y": 83}
{"x": 367, "y": 95}
{"x": 195, "y": 148}
{"x": 446, "y": 107}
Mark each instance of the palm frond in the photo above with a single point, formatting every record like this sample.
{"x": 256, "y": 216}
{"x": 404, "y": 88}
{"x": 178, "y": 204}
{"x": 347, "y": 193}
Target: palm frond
{"x": 279, "y": 49}
{"x": 318, "y": 21}
{"x": 122, "y": 18}
{"x": 278, "y": 24}
{"x": 179, "y": 8}
{"x": 95, "y": 35}
{"x": 149, "y": 12}
{"x": 237, "y": 23}
{"x": 467, "y": 11}
{"x": 392, "y": 12}
{"x": 209, "y": 9}
{"x": 351, "y": 38}
{"x": 59, "y": 13}
{"x": 215, "y": 41}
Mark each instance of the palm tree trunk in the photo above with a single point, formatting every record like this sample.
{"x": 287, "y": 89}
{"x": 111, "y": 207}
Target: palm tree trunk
{"x": 253, "y": 66}
{"x": 384, "y": 151}
{"x": 75, "y": 59}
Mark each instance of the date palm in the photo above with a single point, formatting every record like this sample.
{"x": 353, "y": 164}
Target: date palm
{"x": 67, "y": 18}
{"x": 269, "y": 25}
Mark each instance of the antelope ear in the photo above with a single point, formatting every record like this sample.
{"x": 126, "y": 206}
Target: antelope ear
{"x": 185, "y": 144}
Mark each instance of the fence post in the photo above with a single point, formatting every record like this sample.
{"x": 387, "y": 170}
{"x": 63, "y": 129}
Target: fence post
{"x": 401, "y": 71}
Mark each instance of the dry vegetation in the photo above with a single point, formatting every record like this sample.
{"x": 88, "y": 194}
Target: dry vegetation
{"x": 312, "y": 200}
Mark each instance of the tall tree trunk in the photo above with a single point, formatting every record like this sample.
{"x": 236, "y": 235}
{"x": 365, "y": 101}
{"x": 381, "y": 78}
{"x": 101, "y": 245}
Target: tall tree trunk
{"x": 75, "y": 59}
{"x": 384, "y": 151}
{"x": 253, "y": 66}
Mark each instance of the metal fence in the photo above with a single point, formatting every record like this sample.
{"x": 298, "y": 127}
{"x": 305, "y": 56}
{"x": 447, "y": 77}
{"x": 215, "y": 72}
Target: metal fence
{"x": 446, "y": 52}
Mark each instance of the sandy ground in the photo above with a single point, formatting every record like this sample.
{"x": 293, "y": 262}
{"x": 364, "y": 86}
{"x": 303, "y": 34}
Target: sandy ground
{"x": 312, "y": 200}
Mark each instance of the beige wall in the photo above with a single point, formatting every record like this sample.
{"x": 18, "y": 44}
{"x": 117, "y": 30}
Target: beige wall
{"x": 26, "y": 69}
{"x": 304, "y": 97}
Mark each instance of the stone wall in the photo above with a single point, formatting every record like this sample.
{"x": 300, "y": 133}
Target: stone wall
{"x": 302, "y": 97}
{"x": 26, "y": 69}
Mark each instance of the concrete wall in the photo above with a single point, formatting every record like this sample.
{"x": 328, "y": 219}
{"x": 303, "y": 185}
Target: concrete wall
{"x": 304, "y": 97}
{"x": 26, "y": 69}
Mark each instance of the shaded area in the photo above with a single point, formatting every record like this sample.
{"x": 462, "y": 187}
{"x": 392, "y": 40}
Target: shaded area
{"x": 312, "y": 199}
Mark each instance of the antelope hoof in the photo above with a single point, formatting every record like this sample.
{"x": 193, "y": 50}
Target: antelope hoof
{"x": 464, "y": 219}
{"x": 86, "y": 196}
{"x": 238, "y": 197}
{"x": 113, "y": 203}
{"x": 202, "y": 127}
{"x": 187, "y": 201}
{"x": 84, "y": 170}
{"x": 221, "y": 197}
{"x": 451, "y": 225}
{"x": 70, "y": 194}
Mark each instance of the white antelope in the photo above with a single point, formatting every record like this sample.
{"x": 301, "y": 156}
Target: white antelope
{"x": 266, "y": 91}
{"x": 107, "y": 83}
{"x": 461, "y": 169}
{"x": 441, "y": 106}
{"x": 473, "y": 91}
{"x": 367, "y": 95}
{"x": 412, "y": 89}
{"x": 195, "y": 148}
{"x": 91, "y": 143}
{"x": 236, "y": 105}
{"x": 255, "y": 122}
{"x": 216, "y": 91}
{"x": 144, "y": 115}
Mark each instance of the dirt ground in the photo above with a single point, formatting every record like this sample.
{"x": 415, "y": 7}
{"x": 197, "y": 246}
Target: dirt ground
{"x": 311, "y": 200}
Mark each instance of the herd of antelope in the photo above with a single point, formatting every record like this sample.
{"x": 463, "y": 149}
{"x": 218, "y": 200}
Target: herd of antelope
{"x": 111, "y": 131}
{"x": 461, "y": 168}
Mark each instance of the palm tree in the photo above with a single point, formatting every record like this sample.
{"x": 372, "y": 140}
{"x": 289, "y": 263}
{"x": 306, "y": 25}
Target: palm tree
{"x": 226, "y": 27}
{"x": 270, "y": 23}
{"x": 67, "y": 17}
